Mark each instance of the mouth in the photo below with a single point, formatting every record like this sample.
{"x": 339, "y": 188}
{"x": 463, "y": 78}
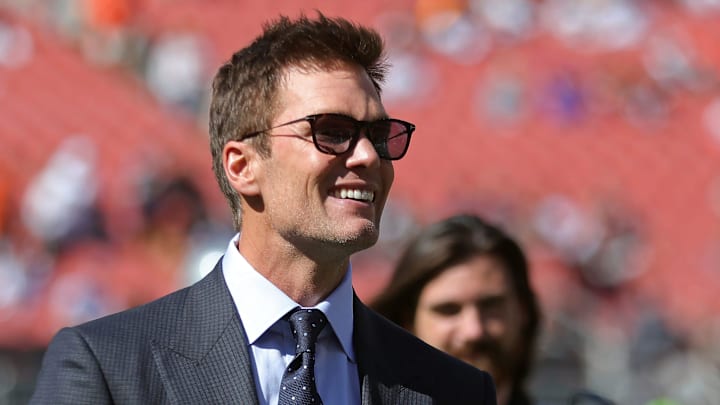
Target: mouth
{"x": 353, "y": 194}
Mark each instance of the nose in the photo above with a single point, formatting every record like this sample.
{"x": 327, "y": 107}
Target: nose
{"x": 471, "y": 327}
{"x": 363, "y": 153}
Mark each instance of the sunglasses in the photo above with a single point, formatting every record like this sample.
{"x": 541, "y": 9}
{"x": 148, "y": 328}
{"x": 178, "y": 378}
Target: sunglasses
{"x": 335, "y": 134}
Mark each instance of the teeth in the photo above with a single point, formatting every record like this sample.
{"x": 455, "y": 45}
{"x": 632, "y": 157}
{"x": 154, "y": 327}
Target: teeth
{"x": 355, "y": 194}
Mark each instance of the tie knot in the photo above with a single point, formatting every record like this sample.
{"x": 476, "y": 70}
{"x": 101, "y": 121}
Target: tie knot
{"x": 306, "y": 325}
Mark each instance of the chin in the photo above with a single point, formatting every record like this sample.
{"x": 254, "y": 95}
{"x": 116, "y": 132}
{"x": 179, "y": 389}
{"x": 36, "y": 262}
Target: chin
{"x": 499, "y": 374}
{"x": 481, "y": 363}
{"x": 362, "y": 239}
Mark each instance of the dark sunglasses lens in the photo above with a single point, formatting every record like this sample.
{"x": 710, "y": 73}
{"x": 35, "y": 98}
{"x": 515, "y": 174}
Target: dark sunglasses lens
{"x": 390, "y": 139}
{"x": 333, "y": 134}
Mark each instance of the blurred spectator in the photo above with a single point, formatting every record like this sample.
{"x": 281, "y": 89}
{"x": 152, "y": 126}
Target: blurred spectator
{"x": 176, "y": 69}
{"x": 513, "y": 19}
{"x": 12, "y": 272}
{"x": 501, "y": 98}
{"x": 702, "y": 7}
{"x": 564, "y": 97}
{"x": 448, "y": 28}
{"x": 109, "y": 14}
{"x": 91, "y": 277}
{"x": 80, "y": 288}
{"x": 69, "y": 181}
{"x": 16, "y": 45}
{"x": 462, "y": 286}
{"x": 147, "y": 264}
{"x": 108, "y": 33}
{"x": 669, "y": 60}
{"x": 605, "y": 247}
{"x": 67, "y": 16}
{"x": 172, "y": 207}
{"x": 413, "y": 77}
{"x": 595, "y": 25}
{"x": 567, "y": 228}
{"x": 12, "y": 277}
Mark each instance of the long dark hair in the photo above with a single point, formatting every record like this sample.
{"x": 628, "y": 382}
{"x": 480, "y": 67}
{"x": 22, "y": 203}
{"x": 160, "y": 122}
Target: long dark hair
{"x": 445, "y": 244}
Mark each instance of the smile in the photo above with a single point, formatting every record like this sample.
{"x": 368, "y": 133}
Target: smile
{"x": 354, "y": 194}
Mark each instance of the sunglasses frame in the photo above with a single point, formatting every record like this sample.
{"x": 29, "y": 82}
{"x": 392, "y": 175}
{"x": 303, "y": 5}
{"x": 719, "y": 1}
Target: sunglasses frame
{"x": 358, "y": 125}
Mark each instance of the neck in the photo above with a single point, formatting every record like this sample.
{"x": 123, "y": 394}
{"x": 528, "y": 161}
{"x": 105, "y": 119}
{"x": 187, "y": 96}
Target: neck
{"x": 304, "y": 279}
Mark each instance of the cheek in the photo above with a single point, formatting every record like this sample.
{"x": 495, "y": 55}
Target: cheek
{"x": 388, "y": 175}
{"x": 496, "y": 327}
{"x": 381, "y": 198}
{"x": 512, "y": 325}
{"x": 434, "y": 330}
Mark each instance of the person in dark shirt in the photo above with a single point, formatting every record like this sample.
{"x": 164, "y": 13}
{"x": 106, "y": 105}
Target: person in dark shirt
{"x": 462, "y": 285}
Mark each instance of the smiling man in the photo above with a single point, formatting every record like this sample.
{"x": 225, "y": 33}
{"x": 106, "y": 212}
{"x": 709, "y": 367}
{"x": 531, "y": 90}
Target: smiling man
{"x": 302, "y": 149}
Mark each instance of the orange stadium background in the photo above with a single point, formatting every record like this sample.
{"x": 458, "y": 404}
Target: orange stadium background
{"x": 589, "y": 129}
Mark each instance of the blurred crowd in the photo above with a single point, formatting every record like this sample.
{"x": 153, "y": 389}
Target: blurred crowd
{"x": 62, "y": 264}
{"x": 176, "y": 58}
{"x": 63, "y": 260}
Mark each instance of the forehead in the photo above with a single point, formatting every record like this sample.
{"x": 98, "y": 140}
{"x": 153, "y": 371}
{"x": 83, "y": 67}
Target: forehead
{"x": 479, "y": 277}
{"x": 344, "y": 88}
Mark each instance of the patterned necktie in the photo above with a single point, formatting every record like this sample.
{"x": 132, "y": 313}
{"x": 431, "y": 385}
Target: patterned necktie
{"x": 298, "y": 382}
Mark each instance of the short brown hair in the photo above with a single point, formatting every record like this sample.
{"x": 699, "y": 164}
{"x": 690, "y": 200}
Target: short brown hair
{"x": 245, "y": 88}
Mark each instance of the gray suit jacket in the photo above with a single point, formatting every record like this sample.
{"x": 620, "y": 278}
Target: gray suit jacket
{"x": 190, "y": 348}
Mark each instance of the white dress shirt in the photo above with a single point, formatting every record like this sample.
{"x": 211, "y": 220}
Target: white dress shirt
{"x": 262, "y": 306}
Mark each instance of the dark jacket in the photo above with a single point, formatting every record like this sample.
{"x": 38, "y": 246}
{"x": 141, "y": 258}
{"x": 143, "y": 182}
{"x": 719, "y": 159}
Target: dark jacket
{"x": 190, "y": 348}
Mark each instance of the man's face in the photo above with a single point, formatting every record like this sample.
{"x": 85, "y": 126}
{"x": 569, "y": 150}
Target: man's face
{"x": 471, "y": 312}
{"x": 301, "y": 187}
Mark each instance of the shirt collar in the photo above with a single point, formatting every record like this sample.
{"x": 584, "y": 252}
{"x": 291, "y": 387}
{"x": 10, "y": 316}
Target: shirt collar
{"x": 250, "y": 291}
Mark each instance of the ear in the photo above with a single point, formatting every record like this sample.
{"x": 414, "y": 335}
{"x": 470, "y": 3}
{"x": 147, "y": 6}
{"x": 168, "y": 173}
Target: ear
{"x": 240, "y": 163}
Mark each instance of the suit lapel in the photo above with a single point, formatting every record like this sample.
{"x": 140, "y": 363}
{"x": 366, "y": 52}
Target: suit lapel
{"x": 206, "y": 358}
{"x": 372, "y": 368}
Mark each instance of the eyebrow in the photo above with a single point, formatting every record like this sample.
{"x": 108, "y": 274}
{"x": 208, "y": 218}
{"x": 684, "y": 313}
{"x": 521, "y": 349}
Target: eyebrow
{"x": 492, "y": 299}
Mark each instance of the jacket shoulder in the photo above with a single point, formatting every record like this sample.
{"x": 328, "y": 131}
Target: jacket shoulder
{"x": 151, "y": 317}
{"x": 92, "y": 362}
{"x": 405, "y": 360}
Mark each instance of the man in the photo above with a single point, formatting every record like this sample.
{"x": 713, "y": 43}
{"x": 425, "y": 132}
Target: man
{"x": 302, "y": 148}
{"x": 462, "y": 286}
